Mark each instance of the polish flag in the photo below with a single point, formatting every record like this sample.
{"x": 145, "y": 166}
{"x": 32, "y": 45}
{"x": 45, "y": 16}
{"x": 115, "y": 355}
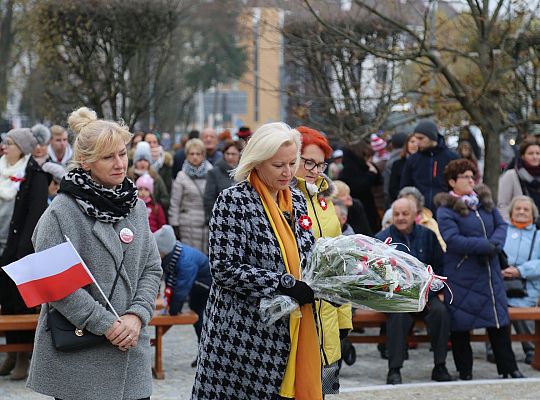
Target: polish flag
{"x": 49, "y": 275}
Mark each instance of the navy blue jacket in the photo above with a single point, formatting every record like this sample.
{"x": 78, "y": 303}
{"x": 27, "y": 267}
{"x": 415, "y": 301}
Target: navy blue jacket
{"x": 192, "y": 268}
{"x": 425, "y": 171}
{"x": 471, "y": 262}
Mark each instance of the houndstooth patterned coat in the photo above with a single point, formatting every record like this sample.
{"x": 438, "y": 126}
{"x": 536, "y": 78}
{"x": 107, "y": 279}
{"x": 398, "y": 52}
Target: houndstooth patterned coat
{"x": 240, "y": 357}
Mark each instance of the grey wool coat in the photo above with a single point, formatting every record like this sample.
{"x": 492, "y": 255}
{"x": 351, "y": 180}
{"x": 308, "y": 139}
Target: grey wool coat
{"x": 187, "y": 210}
{"x": 101, "y": 372}
{"x": 240, "y": 357}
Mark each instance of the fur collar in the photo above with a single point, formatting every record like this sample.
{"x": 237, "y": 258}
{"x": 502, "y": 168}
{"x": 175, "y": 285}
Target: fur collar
{"x": 324, "y": 184}
{"x": 447, "y": 200}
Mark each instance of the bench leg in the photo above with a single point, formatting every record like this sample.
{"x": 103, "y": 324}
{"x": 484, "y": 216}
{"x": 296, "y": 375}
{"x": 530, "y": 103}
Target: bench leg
{"x": 536, "y": 360}
{"x": 158, "y": 367}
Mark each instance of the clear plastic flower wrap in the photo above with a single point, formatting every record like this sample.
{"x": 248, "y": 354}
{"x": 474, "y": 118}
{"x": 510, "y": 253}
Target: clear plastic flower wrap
{"x": 364, "y": 272}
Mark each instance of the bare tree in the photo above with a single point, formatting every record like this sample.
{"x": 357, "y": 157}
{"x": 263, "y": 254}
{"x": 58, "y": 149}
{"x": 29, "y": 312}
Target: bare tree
{"x": 333, "y": 84}
{"x": 475, "y": 70}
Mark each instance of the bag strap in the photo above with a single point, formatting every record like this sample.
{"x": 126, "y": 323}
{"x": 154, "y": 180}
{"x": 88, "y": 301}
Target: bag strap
{"x": 532, "y": 244}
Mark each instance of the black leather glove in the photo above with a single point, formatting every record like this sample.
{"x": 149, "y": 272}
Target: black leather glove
{"x": 301, "y": 292}
{"x": 494, "y": 250}
{"x": 343, "y": 333}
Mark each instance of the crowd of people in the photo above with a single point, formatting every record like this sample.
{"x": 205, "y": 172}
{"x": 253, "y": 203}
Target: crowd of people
{"x": 218, "y": 224}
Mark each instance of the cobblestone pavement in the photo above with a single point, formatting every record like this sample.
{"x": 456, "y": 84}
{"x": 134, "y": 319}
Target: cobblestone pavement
{"x": 364, "y": 380}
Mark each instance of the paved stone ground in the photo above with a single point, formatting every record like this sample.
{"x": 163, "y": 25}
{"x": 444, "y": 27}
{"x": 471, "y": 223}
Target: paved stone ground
{"x": 364, "y": 380}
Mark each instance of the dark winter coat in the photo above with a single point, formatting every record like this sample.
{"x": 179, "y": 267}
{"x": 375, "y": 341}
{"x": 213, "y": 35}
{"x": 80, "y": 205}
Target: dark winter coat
{"x": 425, "y": 171}
{"x": 358, "y": 219}
{"x": 471, "y": 262}
{"x": 240, "y": 356}
{"x": 395, "y": 179}
{"x": 361, "y": 180}
{"x": 30, "y": 203}
{"x": 217, "y": 179}
{"x": 421, "y": 242}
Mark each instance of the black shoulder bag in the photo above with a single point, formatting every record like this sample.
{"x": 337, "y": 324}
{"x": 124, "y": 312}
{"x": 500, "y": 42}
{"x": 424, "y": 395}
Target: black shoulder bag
{"x": 517, "y": 287}
{"x": 66, "y": 336}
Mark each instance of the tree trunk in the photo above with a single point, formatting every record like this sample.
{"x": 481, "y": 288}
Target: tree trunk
{"x": 6, "y": 42}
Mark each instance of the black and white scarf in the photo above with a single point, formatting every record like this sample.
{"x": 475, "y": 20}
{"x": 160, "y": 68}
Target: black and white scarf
{"x": 97, "y": 201}
{"x": 196, "y": 172}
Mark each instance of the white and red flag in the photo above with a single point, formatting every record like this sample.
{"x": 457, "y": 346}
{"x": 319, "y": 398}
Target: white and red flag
{"x": 49, "y": 275}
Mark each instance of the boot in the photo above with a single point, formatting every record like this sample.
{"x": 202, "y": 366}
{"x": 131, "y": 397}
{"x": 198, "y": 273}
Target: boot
{"x": 8, "y": 364}
{"x": 20, "y": 371}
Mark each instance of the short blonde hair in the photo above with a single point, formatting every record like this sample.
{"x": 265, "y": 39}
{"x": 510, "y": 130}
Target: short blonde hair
{"x": 57, "y": 130}
{"x": 523, "y": 198}
{"x": 94, "y": 137}
{"x": 264, "y": 144}
{"x": 194, "y": 143}
{"x": 342, "y": 189}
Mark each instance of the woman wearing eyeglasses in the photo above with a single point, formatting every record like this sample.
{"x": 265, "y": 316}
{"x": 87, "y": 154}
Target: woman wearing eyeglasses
{"x": 474, "y": 233}
{"x": 334, "y": 323}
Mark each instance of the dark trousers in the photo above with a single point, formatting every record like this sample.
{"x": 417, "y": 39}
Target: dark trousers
{"x": 525, "y": 327}
{"x": 13, "y": 304}
{"x": 146, "y": 398}
{"x": 198, "y": 296}
{"x": 197, "y": 302}
{"x": 500, "y": 343}
{"x": 399, "y": 325}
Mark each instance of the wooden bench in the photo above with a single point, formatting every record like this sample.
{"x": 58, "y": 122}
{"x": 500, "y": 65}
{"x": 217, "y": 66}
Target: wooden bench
{"x": 162, "y": 323}
{"x": 366, "y": 319}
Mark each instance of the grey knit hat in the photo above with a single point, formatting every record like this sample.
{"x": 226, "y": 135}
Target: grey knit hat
{"x": 165, "y": 239}
{"x": 24, "y": 139}
{"x": 41, "y": 133}
{"x": 428, "y": 128}
{"x": 142, "y": 152}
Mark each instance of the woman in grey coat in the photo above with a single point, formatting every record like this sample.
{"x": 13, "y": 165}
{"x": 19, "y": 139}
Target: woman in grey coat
{"x": 240, "y": 356}
{"x": 186, "y": 211}
{"x": 98, "y": 210}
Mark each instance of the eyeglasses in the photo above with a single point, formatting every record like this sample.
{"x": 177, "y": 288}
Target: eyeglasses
{"x": 309, "y": 165}
{"x": 467, "y": 177}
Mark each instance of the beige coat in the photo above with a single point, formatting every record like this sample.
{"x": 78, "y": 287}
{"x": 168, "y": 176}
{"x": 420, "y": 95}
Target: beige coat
{"x": 509, "y": 187}
{"x": 186, "y": 211}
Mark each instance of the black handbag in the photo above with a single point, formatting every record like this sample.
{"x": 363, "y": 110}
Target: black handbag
{"x": 516, "y": 287}
{"x": 66, "y": 336}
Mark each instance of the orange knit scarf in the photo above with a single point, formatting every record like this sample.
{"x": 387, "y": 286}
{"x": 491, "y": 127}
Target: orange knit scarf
{"x": 307, "y": 366}
{"x": 520, "y": 225}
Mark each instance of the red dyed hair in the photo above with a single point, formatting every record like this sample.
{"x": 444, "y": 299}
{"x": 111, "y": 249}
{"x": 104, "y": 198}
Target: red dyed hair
{"x": 312, "y": 136}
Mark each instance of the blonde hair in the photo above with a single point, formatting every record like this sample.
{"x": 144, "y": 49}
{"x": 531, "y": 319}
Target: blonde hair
{"x": 264, "y": 144}
{"x": 57, "y": 130}
{"x": 342, "y": 189}
{"x": 194, "y": 143}
{"x": 94, "y": 137}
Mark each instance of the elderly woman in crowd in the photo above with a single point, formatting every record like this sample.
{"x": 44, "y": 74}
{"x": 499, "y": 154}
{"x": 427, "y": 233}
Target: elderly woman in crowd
{"x": 523, "y": 179}
{"x": 186, "y": 212}
{"x": 98, "y": 210}
{"x": 220, "y": 178}
{"x": 23, "y": 198}
{"x": 259, "y": 241}
{"x": 522, "y": 247}
{"x": 474, "y": 233}
{"x": 334, "y": 323}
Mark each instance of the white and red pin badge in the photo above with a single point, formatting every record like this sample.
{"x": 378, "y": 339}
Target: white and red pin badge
{"x": 323, "y": 203}
{"x": 305, "y": 222}
{"x": 126, "y": 235}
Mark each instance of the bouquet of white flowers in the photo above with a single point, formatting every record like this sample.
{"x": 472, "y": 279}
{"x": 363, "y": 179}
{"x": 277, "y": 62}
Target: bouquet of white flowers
{"x": 363, "y": 272}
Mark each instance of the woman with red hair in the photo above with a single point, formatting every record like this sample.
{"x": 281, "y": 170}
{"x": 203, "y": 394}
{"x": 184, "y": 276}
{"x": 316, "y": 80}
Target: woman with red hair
{"x": 334, "y": 323}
